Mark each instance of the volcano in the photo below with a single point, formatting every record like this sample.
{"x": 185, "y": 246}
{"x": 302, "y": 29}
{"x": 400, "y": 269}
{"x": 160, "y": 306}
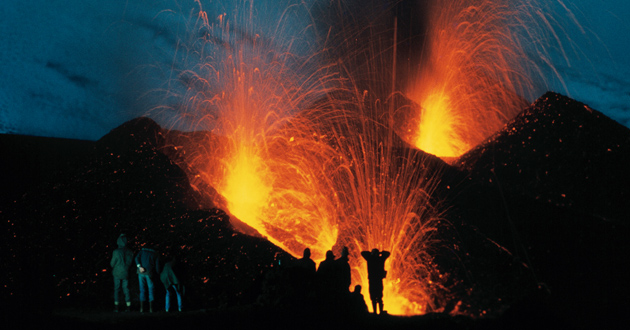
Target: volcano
{"x": 550, "y": 190}
{"x": 535, "y": 231}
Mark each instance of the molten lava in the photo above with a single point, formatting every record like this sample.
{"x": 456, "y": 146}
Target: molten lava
{"x": 474, "y": 75}
{"x": 245, "y": 189}
{"x": 438, "y": 131}
{"x": 330, "y": 177}
{"x": 246, "y": 87}
{"x": 335, "y": 174}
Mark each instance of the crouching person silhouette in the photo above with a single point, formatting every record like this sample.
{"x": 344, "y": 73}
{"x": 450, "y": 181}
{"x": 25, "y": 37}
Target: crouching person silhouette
{"x": 376, "y": 274}
{"x": 357, "y": 301}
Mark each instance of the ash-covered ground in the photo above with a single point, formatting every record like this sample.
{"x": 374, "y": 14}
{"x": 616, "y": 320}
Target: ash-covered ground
{"x": 536, "y": 232}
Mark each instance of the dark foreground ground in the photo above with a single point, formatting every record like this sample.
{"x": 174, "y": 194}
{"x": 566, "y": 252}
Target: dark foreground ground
{"x": 255, "y": 317}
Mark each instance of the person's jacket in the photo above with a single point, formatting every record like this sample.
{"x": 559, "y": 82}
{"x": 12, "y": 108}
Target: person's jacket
{"x": 169, "y": 276}
{"x": 122, "y": 258}
{"x": 148, "y": 259}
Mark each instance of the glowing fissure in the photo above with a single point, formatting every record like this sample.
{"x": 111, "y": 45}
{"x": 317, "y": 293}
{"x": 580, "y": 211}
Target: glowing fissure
{"x": 385, "y": 191}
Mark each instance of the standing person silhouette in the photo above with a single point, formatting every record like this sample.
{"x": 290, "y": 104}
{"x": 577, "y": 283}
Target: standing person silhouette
{"x": 343, "y": 276}
{"x": 376, "y": 274}
{"x": 121, "y": 261}
{"x": 306, "y": 262}
{"x": 171, "y": 278}
{"x": 147, "y": 261}
{"x": 326, "y": 277}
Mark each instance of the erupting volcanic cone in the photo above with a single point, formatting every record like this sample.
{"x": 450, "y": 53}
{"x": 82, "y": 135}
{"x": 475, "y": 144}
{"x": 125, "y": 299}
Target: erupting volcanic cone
{"x": 512, "y": 241}
{"x": 550, "y": 190}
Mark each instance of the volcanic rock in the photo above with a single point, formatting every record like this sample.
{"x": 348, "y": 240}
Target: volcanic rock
{"x": 562, "y": 152}
{"x": 550, "y": 190}
{"x": 60, "y": 227}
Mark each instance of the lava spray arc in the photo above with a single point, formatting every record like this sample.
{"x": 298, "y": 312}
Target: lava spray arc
{"x": 305, "y": 159}
{"x": 246, "y": 79}
{"x": 477, "y": 71}
{"x": 386, "y": 189}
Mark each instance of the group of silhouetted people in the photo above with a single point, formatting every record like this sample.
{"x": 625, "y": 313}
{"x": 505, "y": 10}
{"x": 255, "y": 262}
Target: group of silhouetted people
{"x": 149, "y": 269}
{"x": 301, "y": 280}
{"x": 331, "y": 281}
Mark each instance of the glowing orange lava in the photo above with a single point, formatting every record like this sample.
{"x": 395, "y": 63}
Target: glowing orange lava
{"x": 310, "y": 159}
{"x": 475, "y": 75}
{"x": 247, "y": 88}
{"x": 245, "y": 188}
{"x": 438, "y": 131}
{"x": 307, "y": 166}
{"x": 385, "y": 189}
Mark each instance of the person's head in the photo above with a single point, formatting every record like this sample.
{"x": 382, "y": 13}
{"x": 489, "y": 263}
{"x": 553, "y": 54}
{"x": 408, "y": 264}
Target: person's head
{"x": 307, "y": 253}
{"x": 122, "y": 240}
{"x": 344, "y": 252}
{"x": 375, "y": 252}
{"x": 329, "y": 255}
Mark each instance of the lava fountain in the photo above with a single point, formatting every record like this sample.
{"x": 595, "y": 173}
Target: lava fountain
{"x": 246, "y": 79}
{"x": 306, "y": 159}
{"x": 475, "y": 72}
{"x": 386, "y": 192}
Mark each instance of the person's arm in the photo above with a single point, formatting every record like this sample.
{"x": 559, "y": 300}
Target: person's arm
{"x": 385, "y": 254}
{"x": 365, "y": 254}
{"x": 138, "y": 264}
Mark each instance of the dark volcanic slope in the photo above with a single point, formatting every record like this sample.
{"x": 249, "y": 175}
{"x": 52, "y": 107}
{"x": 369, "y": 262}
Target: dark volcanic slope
{"x": 59, "y": 232}
{"x": 563, "y": 152}
{"x": 552, "y": 189}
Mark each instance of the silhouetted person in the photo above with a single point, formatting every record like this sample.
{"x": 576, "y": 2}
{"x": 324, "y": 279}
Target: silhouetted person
{"x": 343, "y": 275}
{"x": 122, "y": 258}
{"x": 147, "y": 261}
{"x": 299, "y": 279}
{"x": 326, "y": 276}
{"x": 306, "y": 262}
{"x": 357, "y": 301}
{"x": 376, "y": 274}
{"x": 172, "y": 281}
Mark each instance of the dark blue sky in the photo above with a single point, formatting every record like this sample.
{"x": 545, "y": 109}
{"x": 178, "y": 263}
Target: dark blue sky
{"x": 78, "y": 69}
